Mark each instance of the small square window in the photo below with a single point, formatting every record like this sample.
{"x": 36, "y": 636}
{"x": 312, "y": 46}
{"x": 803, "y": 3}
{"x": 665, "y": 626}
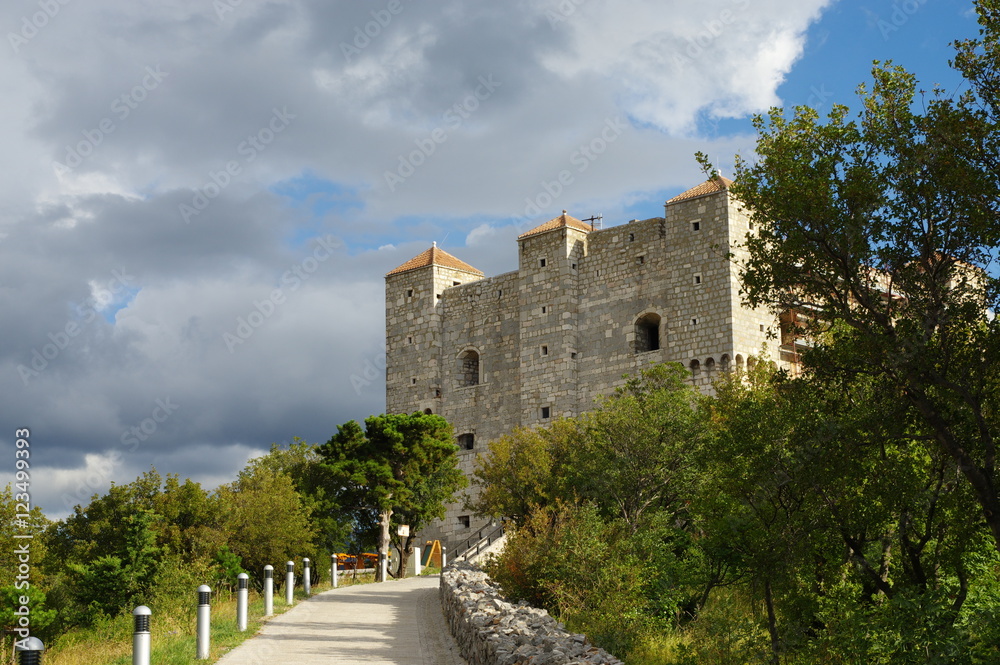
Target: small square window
{"x": 545, "y": 350}
{"x": 574, "y": 266}
{"x": 437, "y": 392}
{"x": 409, "y": 293}
{"x": 762, "y": 327}
{"x": 572, "y": 355}
{"x": 640, "y": 260}
{"x": 751, "y": 226}
{"x": 439, "y": 296}
{"x": 409, "y": 340}
{"x": 545, "y": 309}
{"x": 541, "y": 263}
{"x": 413, "y": 381}
{"x": 696, "y": 226}
{"x": 546, "y": 412}
{"x": 463, "y": 521}
{"x": 631, "y": 237}
{"x": 456, "y": 283}
{"x": 466, "y": 441}
{"x": 694, "y": 322}
{"x": 697, "y": 279}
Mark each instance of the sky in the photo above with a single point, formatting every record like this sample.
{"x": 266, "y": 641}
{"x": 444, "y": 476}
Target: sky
{"x": 201, "y": 198}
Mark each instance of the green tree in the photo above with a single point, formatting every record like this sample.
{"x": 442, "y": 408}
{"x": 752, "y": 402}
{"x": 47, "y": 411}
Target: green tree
{"x": 264, "y": 520}
{"x": 637, "y": 451}
{"x": 12, "y": 600}
{"x": 302, "y": 462}
{"x": 612, "y": 488}
{"x": 34, "y": 525}
{"x": 753, "y": 520}
{"x": 109, "y": 583}
{"x": 387, "y": 467}
{"x": 105, "y": 555}
{"x": 187, "y": 520}
{"x": 833, "y": 511}
{"x": 884, "y": 226}
{"x": 16, "y": 550}
{"x": 92, "y": 531}
{"x": 630, "y": 456}
{"x": 525, "y": 470}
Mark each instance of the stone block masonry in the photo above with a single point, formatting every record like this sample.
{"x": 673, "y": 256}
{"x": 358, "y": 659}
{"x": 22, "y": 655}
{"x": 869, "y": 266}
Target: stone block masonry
{"x": 490, "y": 630}
{"x": 585, "y": 307}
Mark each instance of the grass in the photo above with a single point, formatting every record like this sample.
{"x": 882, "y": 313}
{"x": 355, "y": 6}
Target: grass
{"x": 657, "y": 650}
{"x": 172, "y": 628}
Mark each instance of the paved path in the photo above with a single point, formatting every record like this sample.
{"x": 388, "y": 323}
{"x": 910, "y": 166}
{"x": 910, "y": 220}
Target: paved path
{"x": 393, "y": 623}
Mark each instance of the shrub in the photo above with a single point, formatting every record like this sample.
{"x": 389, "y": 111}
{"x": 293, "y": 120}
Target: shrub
{"x": 580, "y": 568}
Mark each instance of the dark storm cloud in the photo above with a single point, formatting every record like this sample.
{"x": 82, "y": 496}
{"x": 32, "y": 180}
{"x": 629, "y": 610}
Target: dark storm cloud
{"x": 194, "y": 195}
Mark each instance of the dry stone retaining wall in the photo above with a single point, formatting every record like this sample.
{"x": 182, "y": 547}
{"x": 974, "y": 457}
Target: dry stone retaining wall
{"x": 491, "y": 631}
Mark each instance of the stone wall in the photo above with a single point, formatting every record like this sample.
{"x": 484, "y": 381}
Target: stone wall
{"x": 491, "y": 631}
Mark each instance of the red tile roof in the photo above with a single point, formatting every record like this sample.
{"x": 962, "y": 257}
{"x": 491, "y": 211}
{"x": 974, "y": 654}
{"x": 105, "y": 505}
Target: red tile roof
{"x": 562, "y": 221}
{"x": 710, "y": 186}
{"x": 434, "y": 257}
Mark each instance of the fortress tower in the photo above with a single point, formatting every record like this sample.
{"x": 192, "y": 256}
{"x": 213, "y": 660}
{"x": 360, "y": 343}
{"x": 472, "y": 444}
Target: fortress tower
{"x": 584, "y": 308}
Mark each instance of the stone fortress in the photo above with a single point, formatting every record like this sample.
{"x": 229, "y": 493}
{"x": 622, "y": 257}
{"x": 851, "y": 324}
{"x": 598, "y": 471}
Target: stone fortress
{"x": 585, "y": 307}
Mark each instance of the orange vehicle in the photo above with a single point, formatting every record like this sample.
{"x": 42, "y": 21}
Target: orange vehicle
{"x": 356, "y": 561}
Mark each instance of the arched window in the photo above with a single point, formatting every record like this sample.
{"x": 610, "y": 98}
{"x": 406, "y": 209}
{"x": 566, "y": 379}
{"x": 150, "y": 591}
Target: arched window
{"x": 739, "y": 362}
{"x": 695, "y": 367}
{"x": 428, "y": 412}
{"x": 468, "y": 368}
{"x": 647, "y": 333}
{"x": 709, "y": 367}
{"x": 724, "y": 363}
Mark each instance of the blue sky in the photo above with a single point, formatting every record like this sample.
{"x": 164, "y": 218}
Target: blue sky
{"x": 838, "y": 52}
{"x": 201, "y": 199}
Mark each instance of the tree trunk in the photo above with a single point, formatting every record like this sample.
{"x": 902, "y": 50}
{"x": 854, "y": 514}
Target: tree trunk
{"x": 981, "y": 478}
{"x": 772, "y": 624}
{"x": 383, "y": 542}
{"x": 405, "y": 550}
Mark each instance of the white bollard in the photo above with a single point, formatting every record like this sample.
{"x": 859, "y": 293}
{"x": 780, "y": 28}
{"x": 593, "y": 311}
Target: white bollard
{"x": 290, "y": 583}
{"x": 306, "y": 582}
{"x": 333, "y": 571}
{"x": 29, "y": 651}
{"x": 140, "y": 636}
{"x": 416, "y": 561}
{"x": 204, "y": 621}
{"x": 268, "y": 590}
{"x": 242, "y": 581}
{"x": 444, "y": 557}
{"x": 383, "y": 566}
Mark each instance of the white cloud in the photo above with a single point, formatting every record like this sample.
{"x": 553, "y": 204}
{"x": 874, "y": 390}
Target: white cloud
{"x": 666, "y": 62}
{"x": 648, "y": 67}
